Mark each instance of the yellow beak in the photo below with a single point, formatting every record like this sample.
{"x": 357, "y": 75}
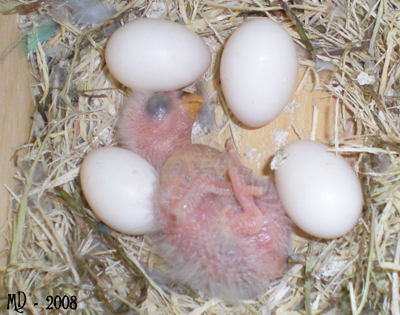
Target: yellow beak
{"x": 191, "y": 103}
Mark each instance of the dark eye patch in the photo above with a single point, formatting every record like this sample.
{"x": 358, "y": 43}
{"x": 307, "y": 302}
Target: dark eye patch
{"x": 158, "y": 106}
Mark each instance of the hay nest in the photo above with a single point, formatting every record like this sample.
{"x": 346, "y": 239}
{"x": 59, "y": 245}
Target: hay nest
{"x": 56, "y": 246}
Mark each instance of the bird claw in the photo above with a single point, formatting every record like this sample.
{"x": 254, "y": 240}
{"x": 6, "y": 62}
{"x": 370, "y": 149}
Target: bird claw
{"x": 251, "y": 220}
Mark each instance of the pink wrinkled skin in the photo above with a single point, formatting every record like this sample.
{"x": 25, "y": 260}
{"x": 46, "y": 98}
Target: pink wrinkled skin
{"x": 223, "y": 230}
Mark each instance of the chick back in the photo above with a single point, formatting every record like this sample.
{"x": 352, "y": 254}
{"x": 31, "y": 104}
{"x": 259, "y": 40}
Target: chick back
{"x": 204, "y": 251}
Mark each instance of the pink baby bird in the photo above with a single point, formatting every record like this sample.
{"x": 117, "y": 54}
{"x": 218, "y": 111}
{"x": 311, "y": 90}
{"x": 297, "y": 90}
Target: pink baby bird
{"x": 222, "y": 229}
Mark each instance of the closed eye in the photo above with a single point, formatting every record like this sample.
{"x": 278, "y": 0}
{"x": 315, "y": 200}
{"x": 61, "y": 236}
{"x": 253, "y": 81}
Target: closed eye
{"x": 158, "y": 106}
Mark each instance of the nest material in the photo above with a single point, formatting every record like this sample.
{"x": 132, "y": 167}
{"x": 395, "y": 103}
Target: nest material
{"x": 56, "y": 246}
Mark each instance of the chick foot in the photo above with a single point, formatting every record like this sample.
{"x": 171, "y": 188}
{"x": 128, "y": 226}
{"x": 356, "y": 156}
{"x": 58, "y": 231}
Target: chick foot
{"x": 251, "y": 220}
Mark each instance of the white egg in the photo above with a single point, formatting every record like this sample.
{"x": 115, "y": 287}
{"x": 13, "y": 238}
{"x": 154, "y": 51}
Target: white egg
{"x": 156, "y": 55}
{"x": 318, "y": 189}
{"x": 119, "y": 186}
{"x": 258, "y": 71}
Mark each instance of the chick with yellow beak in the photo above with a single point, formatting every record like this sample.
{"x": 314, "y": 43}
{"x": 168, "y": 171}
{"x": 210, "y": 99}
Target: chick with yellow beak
{"x": 222, "y": 229}
{"x": 153, "y": 125}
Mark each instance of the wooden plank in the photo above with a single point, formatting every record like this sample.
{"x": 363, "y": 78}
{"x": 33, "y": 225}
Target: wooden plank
{"x": 15, "y": 109}
{"x": 309, "y": 115}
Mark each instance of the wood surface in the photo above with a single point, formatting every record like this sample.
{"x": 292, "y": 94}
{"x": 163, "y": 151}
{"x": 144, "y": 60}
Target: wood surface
{"x": 309, "y": 115}
{"x": 15, "y": 110}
